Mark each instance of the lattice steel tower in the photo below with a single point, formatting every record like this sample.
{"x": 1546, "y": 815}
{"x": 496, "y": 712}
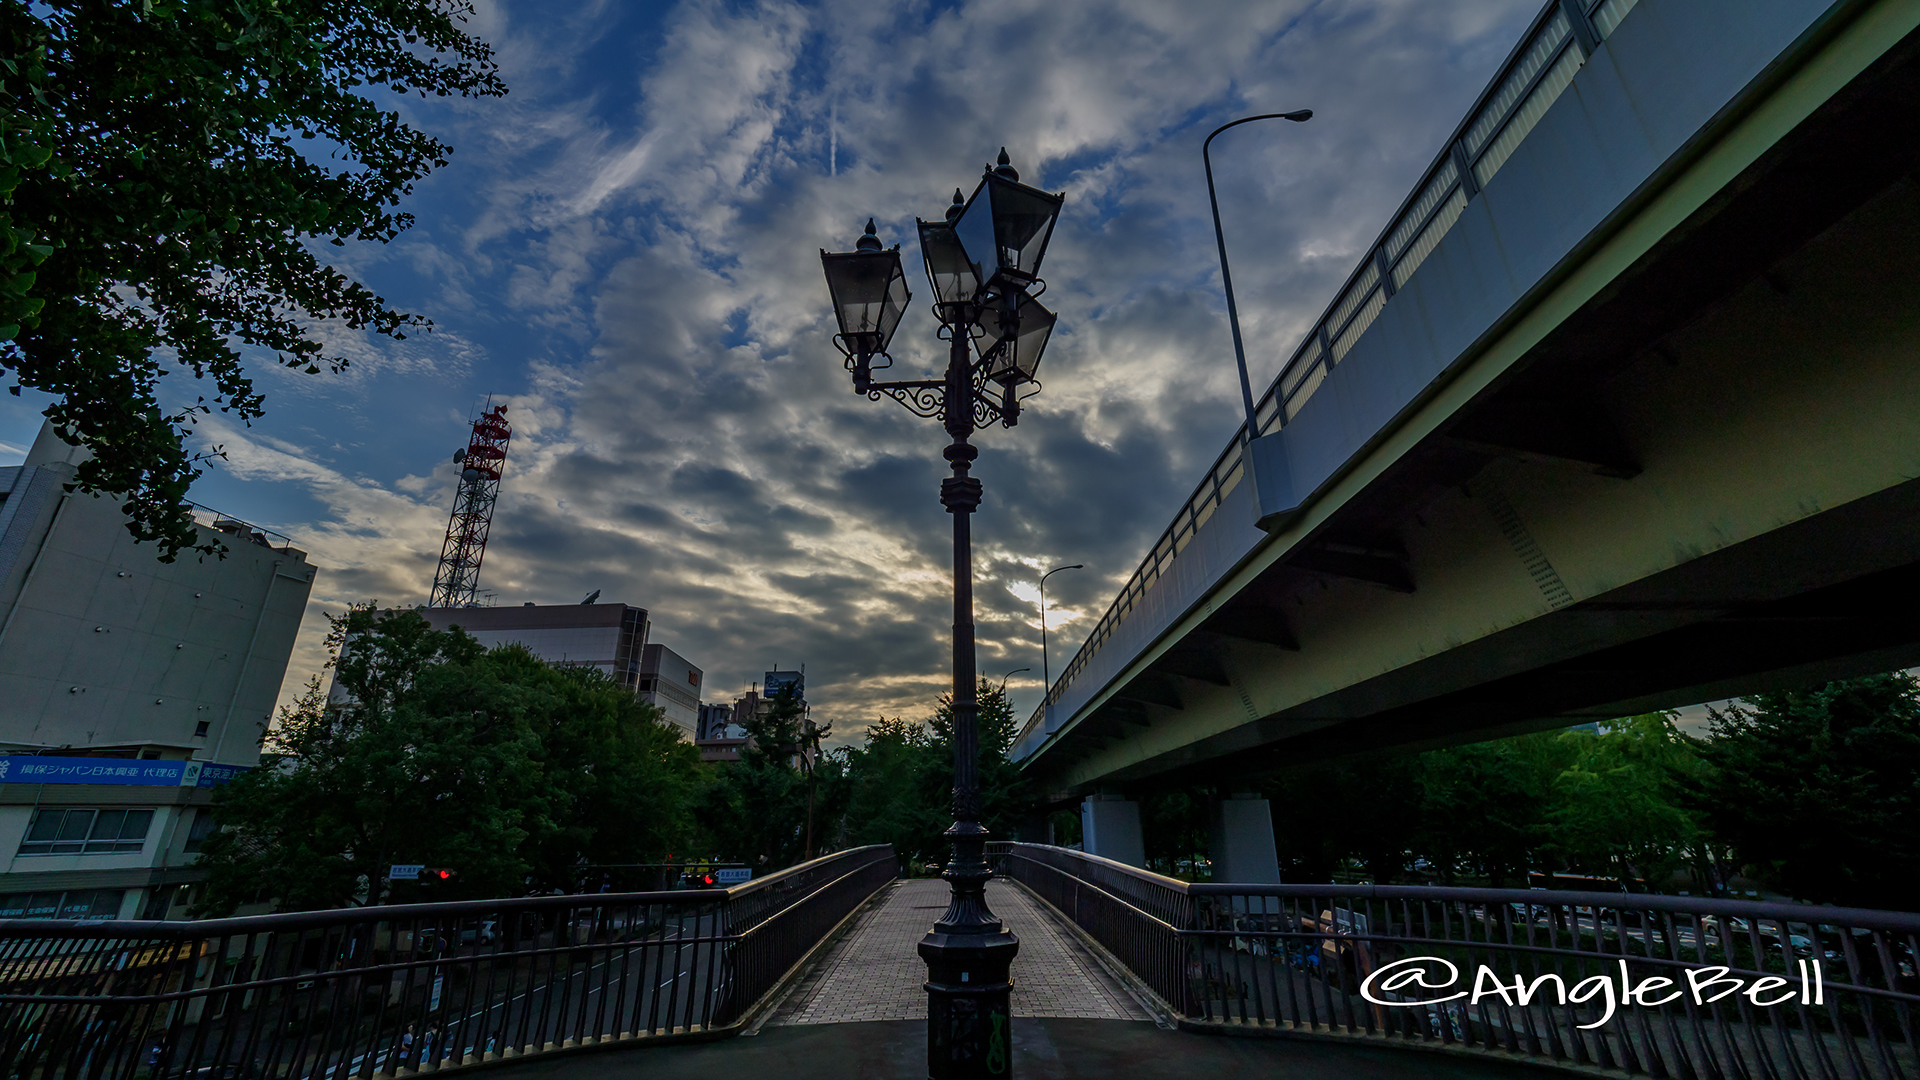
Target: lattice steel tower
{"x": 458, "y": 579}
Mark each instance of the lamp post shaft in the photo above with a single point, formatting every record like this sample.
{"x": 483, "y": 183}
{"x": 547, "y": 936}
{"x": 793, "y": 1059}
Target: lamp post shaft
{"x": 1226, "y": 276}
{"x": 1046, "y": 670}
{"x": 969, "y": 955}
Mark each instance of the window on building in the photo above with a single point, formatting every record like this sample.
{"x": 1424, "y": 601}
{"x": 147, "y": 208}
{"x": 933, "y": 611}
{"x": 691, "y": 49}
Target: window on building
{"x": 86, "y": 832}
{"x": 201, "y": 828}
{"x": 78, "y": 904}
{"x": 200, "y": 730}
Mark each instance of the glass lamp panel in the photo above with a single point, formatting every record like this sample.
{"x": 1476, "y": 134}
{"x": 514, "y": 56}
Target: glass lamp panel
{"x": 1019, "y": 359}
{"x": 1006, "y": 226}
{"x": 954, "y": 278}
{"x": 869, "y": 295}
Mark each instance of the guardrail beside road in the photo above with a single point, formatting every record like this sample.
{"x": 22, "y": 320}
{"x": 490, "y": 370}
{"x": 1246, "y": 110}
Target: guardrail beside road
{"x": 360, "y": 992}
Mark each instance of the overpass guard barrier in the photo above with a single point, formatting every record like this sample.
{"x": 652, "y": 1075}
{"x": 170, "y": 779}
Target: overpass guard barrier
{"x": 367, "y": 992}
{"x": 1604, "y": 982}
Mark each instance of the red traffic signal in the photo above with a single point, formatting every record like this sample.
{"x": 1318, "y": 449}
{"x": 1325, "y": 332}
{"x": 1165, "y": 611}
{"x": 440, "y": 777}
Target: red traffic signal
{"x": 436, "y": 873}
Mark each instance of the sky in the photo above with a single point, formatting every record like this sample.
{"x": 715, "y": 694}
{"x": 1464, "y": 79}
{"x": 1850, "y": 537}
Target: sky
{"x": 624, "y": 251}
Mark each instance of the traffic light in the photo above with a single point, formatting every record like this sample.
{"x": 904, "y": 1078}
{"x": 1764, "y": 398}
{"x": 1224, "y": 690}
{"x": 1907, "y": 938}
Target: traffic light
{"x": 436, "y": 873}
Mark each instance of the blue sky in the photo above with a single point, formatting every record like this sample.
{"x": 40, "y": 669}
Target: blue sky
{"x": 624, "y": 250}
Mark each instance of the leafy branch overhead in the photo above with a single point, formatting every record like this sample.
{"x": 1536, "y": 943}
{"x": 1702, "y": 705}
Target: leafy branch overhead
{"x": 165, "y": 166}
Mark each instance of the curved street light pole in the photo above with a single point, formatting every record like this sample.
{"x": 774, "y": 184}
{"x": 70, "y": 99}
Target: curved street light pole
{"x": 1009, "y": 675}
{"x": 1220, "y": 237}
{"x": 1046, "y": 673}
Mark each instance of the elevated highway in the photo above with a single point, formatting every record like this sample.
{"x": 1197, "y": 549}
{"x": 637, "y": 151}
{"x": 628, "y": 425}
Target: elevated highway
{"x": 1622, "y": 411}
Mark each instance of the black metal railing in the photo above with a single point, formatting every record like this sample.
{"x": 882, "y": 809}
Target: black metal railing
{"x": 336, "y": 994}
{"x": 1635, "y": 983}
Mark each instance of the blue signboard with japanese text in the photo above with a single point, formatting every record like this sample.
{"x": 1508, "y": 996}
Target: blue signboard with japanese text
{"x": 26, "y": 769}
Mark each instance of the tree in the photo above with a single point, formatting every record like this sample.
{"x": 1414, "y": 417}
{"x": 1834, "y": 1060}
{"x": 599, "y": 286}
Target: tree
{"x": 884, "y": 801}
{"x": 1479, "y": 809}
{"x": 168, "y": 165}
{"x": 510, "y": 770}
{"x": 1818, "y": 790}
{"x": 1612, "y": 809}
{"x": 756, "y": 808}
{"x": 1003, "y": 790}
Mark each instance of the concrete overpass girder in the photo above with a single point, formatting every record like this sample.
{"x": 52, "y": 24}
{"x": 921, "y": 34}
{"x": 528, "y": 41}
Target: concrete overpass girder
{"x": 1792, "y": 396}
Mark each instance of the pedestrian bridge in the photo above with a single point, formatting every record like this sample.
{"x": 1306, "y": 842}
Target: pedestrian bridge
{"x": 1621, "y": 412}
{"x": 811, "y": 972}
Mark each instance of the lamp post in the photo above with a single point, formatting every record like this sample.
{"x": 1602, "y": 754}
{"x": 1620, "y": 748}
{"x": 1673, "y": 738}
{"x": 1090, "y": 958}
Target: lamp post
{"x": 1220, "y": 237}
{"x": 983, "y": 260}
{"x": 1009, "y": 675}
{"x": 1046, "y": 673}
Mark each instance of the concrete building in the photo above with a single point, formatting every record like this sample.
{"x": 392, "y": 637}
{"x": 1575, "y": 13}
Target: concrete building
{"x": 723, "y": 729}
{"x": 611, "y": 637}
{"x": 670, "y": 681}
{"x": 129, "y": 688}
{"x": 718, "y": 736}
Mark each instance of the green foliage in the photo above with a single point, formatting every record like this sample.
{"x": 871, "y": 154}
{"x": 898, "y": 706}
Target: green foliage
{"x": 1819, "y": 790}
{"x": 165, "y": 169}
{"x": 761, "y": 808}
{"x": 1480, "y": 806}
{"x": 755, "y": 809}
{"x": 884, "y": 789}
{"x": 1490, "y": 812}
{"x": 1615, "y": 800}
{"x": 899, "y": 784}
{"x": 512, "y": 771}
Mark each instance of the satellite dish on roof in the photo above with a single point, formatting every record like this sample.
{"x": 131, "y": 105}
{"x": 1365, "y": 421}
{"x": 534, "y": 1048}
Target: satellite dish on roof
{"x": 460, "y": 455}
{"x": 591, "y": 597}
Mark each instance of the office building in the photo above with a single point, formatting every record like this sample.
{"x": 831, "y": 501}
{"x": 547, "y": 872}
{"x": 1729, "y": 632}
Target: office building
{"x": 610, "y": 637}
{"x": 671, "y": 682}
{"x": 129, "y": 688}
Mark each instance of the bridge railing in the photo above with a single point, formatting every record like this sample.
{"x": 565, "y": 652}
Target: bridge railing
{"x": 1609, "y": 982}
{"x": 367, "y": 991}
{"x": 1556, "y": 45}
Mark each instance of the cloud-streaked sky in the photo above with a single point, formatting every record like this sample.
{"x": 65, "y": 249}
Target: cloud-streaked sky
{"x": 625, "y": 251}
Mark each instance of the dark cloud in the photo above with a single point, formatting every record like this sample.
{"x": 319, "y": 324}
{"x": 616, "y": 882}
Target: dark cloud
{"x": 638, "y": 252}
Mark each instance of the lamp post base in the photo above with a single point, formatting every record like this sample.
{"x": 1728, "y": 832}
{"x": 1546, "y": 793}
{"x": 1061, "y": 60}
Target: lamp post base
{"x": 969, "y": 1020}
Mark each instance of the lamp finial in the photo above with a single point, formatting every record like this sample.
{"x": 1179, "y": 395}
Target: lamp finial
{"x": 869, "y": 242}
{"x": 1006, "y": 168}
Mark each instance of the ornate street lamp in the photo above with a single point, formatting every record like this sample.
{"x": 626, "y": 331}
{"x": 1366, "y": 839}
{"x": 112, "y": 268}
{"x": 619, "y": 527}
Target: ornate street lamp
{"x": 869, "y": 296}
{"x": 983, "y": 261}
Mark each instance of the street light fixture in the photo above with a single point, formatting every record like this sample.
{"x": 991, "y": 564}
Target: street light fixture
{"x": 983, "y": 261}
{"x": 1047, "y": 673}
{"x": 869, "y": 296}
{"x": 1298, "y": 116}
{"x": 1009, "y": 675}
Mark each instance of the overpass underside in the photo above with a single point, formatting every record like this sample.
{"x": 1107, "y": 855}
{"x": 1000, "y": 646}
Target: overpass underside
{"x": 1688, "y": 469}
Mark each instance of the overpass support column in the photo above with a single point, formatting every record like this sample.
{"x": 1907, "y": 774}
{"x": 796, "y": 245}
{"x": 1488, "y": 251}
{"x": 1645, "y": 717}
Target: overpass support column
{"x": 1110, "y": 828}
{"x": 1243, "y": 849}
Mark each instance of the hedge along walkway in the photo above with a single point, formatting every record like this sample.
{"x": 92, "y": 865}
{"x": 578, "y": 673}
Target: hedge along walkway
{"x": 874, "y": 973}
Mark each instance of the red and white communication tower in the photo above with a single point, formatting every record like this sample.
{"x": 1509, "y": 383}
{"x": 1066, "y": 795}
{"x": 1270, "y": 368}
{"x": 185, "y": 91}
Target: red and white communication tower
{"x": 457, "y": 581}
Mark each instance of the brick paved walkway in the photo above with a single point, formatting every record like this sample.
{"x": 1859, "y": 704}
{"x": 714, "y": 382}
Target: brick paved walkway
{"x": 873, "y": 973}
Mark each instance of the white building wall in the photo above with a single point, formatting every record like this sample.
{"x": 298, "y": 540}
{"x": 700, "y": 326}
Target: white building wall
{"x": 104, "y": 649}
{"x": 103, "y": 645}
{"x": 671, "y": 682}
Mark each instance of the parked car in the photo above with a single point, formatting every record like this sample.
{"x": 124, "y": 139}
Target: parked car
{"x": 479, "y": 931}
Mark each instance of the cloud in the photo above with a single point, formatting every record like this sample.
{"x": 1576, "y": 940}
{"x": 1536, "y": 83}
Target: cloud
{"x": 625, "y": 249}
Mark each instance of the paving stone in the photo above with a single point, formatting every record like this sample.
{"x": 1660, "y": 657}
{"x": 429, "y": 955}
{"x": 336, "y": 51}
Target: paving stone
{"x": 873, "y": 972}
